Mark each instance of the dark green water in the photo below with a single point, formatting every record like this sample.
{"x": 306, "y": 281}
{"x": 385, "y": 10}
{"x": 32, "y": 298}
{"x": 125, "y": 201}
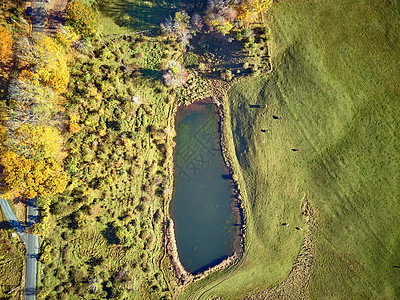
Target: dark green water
{"x": 202, "y": 206}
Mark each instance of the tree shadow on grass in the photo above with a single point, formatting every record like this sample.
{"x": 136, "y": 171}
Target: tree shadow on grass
{"x": 110, "y": 234}
{"x": 141, "y": 15}
{"x": 151, "y": 74}
{"x": 5, "y": 225}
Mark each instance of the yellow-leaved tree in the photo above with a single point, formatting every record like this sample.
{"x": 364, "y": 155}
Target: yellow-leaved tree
{"x": 30, "y": 157}
{"x": 44, "y": 61}
{"x": 249, "y": 10}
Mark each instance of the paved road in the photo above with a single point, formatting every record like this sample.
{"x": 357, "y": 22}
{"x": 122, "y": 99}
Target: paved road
{"x": 12, "y": 219}
{"x": 31, "y": 243}
{"x": 32, "y": 252}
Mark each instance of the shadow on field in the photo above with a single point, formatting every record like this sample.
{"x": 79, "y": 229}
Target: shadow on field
{"x": 141, "y": 15}
{"x": 110, "y": 234}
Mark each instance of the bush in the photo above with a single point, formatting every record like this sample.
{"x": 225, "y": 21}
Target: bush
{"x": 191, "y": 59}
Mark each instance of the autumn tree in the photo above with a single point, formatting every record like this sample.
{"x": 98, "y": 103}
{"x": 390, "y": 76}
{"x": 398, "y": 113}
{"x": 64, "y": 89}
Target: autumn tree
{"x": 35, "y": 142}
{"x": 82, "y": 17}
{"x": 6, "y": 46}
{"x": 30, "y": 157}
{"x": 249, "y": 10}
{"x": 6, "y": 55}
{"x": 29, "y": 177}
{"x": 44, "y": 61}
{"x": 225, "y": 14}
{"x": 220, "y": 15}
{"x": 179, "y": 27}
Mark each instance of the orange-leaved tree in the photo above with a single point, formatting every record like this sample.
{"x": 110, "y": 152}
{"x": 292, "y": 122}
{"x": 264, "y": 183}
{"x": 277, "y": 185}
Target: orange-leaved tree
{"x": 6, "y": 46}
{"x": 6, "y": 56}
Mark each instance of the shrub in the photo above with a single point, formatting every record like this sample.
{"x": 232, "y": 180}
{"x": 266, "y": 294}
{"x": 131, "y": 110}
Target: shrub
{"x": 191, "y": 59}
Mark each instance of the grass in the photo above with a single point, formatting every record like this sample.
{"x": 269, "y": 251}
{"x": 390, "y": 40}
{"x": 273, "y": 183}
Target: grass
{"x": 337, "y": 66}
{"x": 12, "y": 257}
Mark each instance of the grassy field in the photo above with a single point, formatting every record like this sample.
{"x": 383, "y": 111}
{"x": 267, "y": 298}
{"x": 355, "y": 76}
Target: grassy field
{"x": 336, "y": 87}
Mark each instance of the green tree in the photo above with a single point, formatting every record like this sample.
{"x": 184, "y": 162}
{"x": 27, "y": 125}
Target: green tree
{"x": 82, "y": 17}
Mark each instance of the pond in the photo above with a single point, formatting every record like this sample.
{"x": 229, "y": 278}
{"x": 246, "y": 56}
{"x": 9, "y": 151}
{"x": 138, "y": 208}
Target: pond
{"x": 202, "y": 206}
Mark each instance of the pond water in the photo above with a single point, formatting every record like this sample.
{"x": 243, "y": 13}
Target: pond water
{"x": 202, "y": 206}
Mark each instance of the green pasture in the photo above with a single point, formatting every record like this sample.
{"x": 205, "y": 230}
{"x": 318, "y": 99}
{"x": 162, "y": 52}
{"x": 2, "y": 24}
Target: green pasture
{"x": 336, "y": 85}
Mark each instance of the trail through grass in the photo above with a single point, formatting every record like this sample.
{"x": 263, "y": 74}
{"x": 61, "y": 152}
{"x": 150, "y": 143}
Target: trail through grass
{"x": 336, "y": 87}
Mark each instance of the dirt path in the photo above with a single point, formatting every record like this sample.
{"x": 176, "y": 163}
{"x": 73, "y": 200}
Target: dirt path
{"x": 55, "y": 15}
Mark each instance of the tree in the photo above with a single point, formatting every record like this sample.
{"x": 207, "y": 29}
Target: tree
{"x": 35, "y": 142}
{"x": 73, "y": 124}
{"x": 223, "y": 14}
{"x": 82, "y": 17}
{"x": 6, "y": 46}
{"x": 220, "y": 15}
{"x": 175, "y": 75}
{"x": 125, "y": 236}
{"x": 30, "y": 157}
{"x": 44, "y": 61}
{"x": 179, "y": 27}
{"x": 249, "y": 10}
{"x": 29, "y": 104}
{"x": 30, "y": 177}
{"x": 6, "y": 55}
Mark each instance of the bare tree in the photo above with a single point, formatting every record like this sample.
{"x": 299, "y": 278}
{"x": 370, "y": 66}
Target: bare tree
{"x": 30, "y": 104}
{"x": 179, "y": 27}
{"x": 175, "y": 75}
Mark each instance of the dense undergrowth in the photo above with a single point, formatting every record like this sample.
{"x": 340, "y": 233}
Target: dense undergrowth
{"x": 108, "y": 223}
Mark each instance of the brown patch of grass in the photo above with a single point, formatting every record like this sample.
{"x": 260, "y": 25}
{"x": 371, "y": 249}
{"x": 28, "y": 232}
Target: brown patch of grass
{"x": 295, "y": 286}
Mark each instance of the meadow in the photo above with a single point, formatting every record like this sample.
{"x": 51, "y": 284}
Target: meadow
{"x": 335, "y": 87}
{"x": 12, "y": 262}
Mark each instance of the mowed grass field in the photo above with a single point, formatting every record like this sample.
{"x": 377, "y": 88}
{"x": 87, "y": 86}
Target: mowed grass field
{"x": 336, "y": 85}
